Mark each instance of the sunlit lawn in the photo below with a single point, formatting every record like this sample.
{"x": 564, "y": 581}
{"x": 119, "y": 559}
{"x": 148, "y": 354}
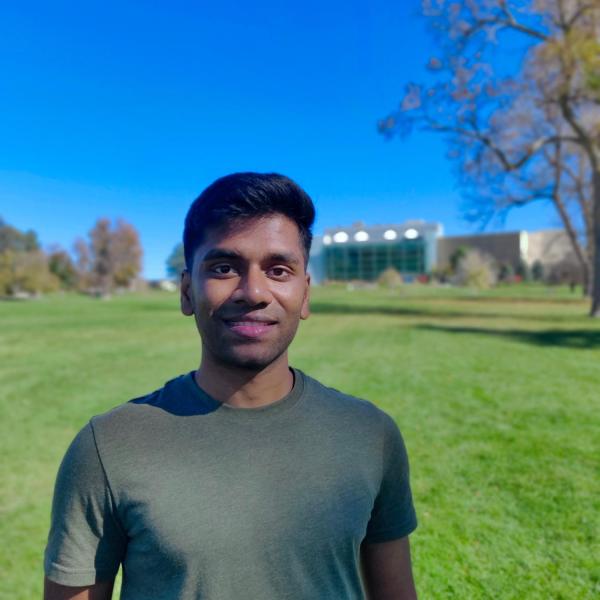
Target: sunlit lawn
{"x": 497, "y": 396}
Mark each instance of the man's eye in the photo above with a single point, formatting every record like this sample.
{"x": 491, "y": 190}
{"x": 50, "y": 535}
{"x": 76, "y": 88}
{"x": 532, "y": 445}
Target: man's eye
{"x": 279, "y": 272}
{"x": 222, "y": 269}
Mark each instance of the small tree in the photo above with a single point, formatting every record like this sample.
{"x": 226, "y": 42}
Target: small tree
{"x": 32, "y": 275}
{"x": 82, "y": 264}
{"x": 390, "y": 278}
{"x": 111, "y": 259}
{"x": 476, "y": 270}
{"x": 102, "y": 263}
{"x": 62, "y": 266}
{"x": 523, "y": 270}
{"x": 506, "y": 272}
{"x": 25, "y": 272}
{"x": 6, "y": 272}
{"x": 537, "y": 271}
{"x": 456, "y": 257}
{"x": 176, "y": 262}
{"x": 23, "y": 266}
{"x": 127, "y": 254}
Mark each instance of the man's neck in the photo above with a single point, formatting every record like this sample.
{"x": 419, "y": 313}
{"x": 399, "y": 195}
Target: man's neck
{"x": 244, "y": 388}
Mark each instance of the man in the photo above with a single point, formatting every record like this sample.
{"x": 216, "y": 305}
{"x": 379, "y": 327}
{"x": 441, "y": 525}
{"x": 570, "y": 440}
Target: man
{"x": 246, "y": 479}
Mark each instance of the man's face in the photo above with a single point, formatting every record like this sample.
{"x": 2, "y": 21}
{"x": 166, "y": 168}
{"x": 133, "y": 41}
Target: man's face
{"x": 248, "y": 290}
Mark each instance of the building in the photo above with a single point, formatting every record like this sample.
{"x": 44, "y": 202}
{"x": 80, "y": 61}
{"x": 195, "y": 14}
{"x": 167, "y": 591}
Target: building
{"x": 553, "y": 249}
{"x": 506, "y": 248}
{"x": 360, "y": 252}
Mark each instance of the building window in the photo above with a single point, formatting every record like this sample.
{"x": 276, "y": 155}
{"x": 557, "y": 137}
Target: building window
{"x": 366, "y": 261}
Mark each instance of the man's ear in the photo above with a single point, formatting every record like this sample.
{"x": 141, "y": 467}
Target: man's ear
{"x": 187, "y": 304}
{"x": 305, "y": 311}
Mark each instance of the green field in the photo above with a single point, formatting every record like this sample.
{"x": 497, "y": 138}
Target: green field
{"x": 497, "y": 396}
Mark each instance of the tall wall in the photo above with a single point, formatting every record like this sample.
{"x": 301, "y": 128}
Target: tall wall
{"x": 503, "y": 247}
{"x": 554, "y": 250}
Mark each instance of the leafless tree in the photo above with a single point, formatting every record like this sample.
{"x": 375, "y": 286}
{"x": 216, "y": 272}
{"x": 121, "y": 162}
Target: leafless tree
{"x": 112, "y": 258}
{"x": 518, "y": 97}
{"x": 127, "y": 253}
{"x": 102, "y": 260}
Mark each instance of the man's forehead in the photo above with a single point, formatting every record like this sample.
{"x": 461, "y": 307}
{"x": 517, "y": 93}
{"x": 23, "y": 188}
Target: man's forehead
{"x": 270, "y": 234}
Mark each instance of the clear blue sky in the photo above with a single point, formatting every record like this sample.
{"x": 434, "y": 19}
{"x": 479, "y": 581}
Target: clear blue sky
{"x": 129, "y": 109}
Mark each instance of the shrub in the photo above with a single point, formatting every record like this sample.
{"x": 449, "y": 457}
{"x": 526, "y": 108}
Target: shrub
{"x": 390, "y": 278}
{"x": 523, "y": 271}
{"x": 537, "y": 271}
{"x": 25, "y": 273}
{"x": 505, "y": 272}
{"x": 61, "y": 265}
{"x": 457, "y": 256}
{"x": 476, "y": 270}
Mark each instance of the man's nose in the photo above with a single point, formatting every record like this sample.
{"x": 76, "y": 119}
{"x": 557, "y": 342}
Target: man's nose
{"x": 253, "y": 288}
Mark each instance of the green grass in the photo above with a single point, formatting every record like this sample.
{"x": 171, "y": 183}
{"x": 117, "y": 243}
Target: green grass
{"x": 496, "y": 394}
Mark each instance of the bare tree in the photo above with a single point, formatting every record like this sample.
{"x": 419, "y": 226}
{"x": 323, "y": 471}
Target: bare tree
{"x": 111, "y": 259}
{"x": 521, "y": 130}
{"x": 102, "y": 261}
{"x": 127, "y": 253}
{"x": 82, "y": 263}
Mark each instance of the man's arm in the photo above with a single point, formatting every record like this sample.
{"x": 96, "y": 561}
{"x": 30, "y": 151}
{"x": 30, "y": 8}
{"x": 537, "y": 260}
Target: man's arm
{"x": 387, "y": 571}
{"x": 86, "y": 543}
{"x": 99, "y": 591}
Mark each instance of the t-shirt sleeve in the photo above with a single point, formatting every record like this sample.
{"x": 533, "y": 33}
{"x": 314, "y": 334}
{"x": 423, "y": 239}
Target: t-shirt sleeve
{"x": 86, "y": 542}
{"x": 393, "y": 515}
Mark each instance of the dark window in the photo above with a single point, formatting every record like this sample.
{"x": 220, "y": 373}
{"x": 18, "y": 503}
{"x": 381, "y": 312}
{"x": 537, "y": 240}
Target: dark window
{"x": 367, "y": 261}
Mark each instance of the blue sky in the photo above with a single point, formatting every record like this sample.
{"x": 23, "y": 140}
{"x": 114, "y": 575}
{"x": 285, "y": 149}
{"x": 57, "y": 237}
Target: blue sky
{"x": 130, "y": 109}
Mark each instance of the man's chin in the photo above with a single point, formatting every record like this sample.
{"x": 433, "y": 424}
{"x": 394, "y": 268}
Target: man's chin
{"x": 249, "y": 361}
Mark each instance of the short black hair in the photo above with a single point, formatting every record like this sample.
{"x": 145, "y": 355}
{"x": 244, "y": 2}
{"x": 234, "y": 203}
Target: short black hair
{"x": 246, "y": 196}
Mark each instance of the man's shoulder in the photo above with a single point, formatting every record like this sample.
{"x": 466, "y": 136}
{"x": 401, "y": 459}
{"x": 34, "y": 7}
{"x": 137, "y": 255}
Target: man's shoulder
{"x": 138, "y": 411}
{"x": 344, "y": 405}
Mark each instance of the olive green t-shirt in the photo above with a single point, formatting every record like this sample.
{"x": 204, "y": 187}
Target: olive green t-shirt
{"x": 201, "y": 500}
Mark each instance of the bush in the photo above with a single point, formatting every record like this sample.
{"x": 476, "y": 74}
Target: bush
{"x": 390, "y": 278}
{"x": 523, "y": 271}
{"x": 476, "y": 270}
{"x": 537, "y": 271}
{"x": 25, "y": 273}
{"x": 61, "y": 265}
{"x": 457, "y": 256}
{"x": 506, "y": 272}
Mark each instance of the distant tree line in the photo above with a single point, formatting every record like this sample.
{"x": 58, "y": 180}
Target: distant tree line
{"x": 109, "y": 259}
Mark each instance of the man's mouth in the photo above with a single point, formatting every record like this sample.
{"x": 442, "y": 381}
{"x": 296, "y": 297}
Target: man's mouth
{"x": 250, "y": 328}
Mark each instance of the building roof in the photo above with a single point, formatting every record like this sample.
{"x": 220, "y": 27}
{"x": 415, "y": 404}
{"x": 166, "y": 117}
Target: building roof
{"x": 359, "y": 232}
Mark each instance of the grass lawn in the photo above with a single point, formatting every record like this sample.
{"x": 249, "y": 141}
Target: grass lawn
{"x": 497, "y": 396}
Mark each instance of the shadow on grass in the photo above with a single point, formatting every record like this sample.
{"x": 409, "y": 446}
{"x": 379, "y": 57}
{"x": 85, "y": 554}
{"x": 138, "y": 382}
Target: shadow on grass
{"x": 562, "y": 300}
{"x": 432, "y": 311}
{"x": 567, "y": 338}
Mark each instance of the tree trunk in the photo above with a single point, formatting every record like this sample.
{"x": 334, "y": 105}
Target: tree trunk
{"x": 595, "y": 247}
{"x": 586, "y": 288}
{"x": 582, "y": 256}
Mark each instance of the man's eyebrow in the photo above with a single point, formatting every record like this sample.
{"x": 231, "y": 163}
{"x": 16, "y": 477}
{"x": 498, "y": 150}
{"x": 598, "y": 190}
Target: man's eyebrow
{"x": 284, "y": 257}
{"x": 225, "y": 254}
{"x": 220, "y": 253}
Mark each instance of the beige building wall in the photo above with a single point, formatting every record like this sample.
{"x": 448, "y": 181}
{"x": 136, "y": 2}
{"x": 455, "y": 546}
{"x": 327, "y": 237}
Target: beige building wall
{"x": 502, "y": 247}
{"x": 554, "y": 250}
{"x": 551, "y": 247}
